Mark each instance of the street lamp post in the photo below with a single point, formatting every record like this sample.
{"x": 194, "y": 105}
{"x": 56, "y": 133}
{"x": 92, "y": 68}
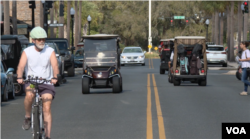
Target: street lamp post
{"x": 89, "y": 20}
{"x": 72, "y": 12}
{"x": 207, "y": 23}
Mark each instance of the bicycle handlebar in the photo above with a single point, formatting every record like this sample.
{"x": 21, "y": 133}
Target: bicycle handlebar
{"x": 36, "y": 80}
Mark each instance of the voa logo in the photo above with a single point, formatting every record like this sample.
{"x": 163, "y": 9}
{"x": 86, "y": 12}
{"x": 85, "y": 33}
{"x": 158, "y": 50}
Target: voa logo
{"x": 236, "y": 130}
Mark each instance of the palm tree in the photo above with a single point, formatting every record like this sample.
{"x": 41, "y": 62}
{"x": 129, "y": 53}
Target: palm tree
{"x": 68, "y": 21}
{"x": 76, "y": 24}
{"x": 228, "y": 31}
{"x": 52, "y": 20}
{"x": 14, "y": 19}
{"x": 231, "y": 50}
{"x": 221, "y": 27}
{"x": 6, "y": 17}
{"x": 239, "y": 23}
{"x": 216, "y": 22}
{"x": 61, "y": 21}
{"x": 79, "y": 20}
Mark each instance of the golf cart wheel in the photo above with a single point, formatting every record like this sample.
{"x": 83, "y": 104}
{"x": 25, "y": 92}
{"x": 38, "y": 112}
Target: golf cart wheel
{"x": 170, "y": 78}
{"x": 85, "y": 85}
{"x": 12, "y": 94}
{"x": 143, "y": 64}
{"x": 162, "y": 71}
{"x": 203, "y": 82}
{"x": 176, "y": 82}
{"x": 122, "y": 64}
{"x": 224, "y": 65}
{"x": 5, "y": 93}
{"x": 116, "y": 85}
{"x": 238, "y": 75}
{"x": 71, "y": 70}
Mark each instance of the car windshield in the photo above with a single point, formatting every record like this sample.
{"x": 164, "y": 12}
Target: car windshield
{"x": 62, "y": 45}
{"x": 100, "y": 52}
{"x": 2, "y": 69}
{"x": 6, "y": 47}
{"x": 132, "y": 50}
{"x": 215, "y": 48}
{"x": 79, "y": 53}
{"x": 52, "y": 45}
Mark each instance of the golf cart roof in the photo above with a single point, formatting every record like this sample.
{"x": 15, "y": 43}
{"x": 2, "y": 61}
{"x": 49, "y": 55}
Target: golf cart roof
{"x": 101, "y": 36}
{"x": 8, "y": 37}
{"x": 163, "y": 40}
{"x": 189, "y": 37}
{"x": 215, "y": 45}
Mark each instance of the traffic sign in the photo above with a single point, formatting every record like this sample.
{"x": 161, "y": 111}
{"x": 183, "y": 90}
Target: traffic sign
{"x": 179, "y": 17}
{"x": 150, "y": 46}
{"x": 156, "y": 48}
{"x": 55, "y": 25}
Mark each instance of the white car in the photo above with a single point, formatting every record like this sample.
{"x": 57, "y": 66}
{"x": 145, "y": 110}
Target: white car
{"x": 216, "y": 54}
{"x": 132, "y": 55}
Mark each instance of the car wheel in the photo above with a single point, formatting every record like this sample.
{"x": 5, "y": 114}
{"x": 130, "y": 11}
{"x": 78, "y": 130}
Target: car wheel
{"x": 224, "y": 65}
{"x": 116, "y": 85}
{"x": 5, "y": 93}
{"x": 238, "y": 75}
{"x": 176, "y": 82}
{"x": 143, "y": 64}
{"x": 203, "y": 82}
{"x": 121, "y": 89}
{"x": 12, "y": 94}
{"x": 122, "y": 64}
{"x": 71, "y": 70}
{"x": 85, "y": 85}
{"x": 18, "y": 89}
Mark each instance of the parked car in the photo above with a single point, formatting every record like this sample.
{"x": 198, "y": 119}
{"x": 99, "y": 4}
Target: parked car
{"x": 11, "y": 48}
{"x": 132, "y": 55}
{"x": 100, "y": 67}
{"x": 79, "y": 58}
{"x": 60, "y": 62}
{"x": 216, "y": 54}
{"x": 7, "y": 85}
{"x": 65, "y": 52}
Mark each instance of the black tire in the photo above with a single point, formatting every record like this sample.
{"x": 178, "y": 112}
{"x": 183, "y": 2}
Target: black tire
{"x": 122, "y": 64}
{"x": 203, "y": 82}
{"x": 238, "y": 75}
{"x": 176, "y": 82}
{"x": 116, "y": 85}
{"x": 85, "y": 85}
{"x": 143, "y": 64}
{"x": 71, "y": 70}
{"x": 36, "y": 122}
{"x": 224, "y": 65}
{"x": 5, "y": 93}
{"x": 162, "y": 71}
{"x": 12, "y": 94}
{"x": 170, "y": 78}
{"x": 18, "y": 89}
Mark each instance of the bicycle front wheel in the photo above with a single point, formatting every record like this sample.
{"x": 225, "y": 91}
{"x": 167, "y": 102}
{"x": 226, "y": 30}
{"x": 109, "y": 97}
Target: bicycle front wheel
{"x": 36, "y": 123}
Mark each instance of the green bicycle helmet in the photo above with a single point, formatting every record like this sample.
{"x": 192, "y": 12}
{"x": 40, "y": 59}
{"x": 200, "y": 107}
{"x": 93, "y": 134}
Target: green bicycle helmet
{"x": 38, "y": 33}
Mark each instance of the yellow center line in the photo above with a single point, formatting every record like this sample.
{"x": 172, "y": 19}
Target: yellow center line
{"x": 149, "y": 112}
{"x": 159, "y": 112}
{"x": 149, "y": 63}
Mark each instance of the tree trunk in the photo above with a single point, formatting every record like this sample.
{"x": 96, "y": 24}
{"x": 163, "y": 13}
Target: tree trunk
{"x": 228, "y": 32}
{"x": 41, "y": 15}
{"x": 239, "y": 23}
{"x": 55, "y": 19}
{"x": 85, "y": 29}
{"x": 14, "y": 20}
{"x": 245, "y": 26}
{"x": 221, "y": 28}
{"x": 213, "y": 28}
{"x": 76, "y": 24}
{"x": 216, "y": 32}
{"x": 51, "y": 21}
{"x": 68, "y": 21}
{"x": 232, "y": 33}
{"x": 6, "y": 7}
{"x": 80, "y": 20}
{"x": 61, "y": 21}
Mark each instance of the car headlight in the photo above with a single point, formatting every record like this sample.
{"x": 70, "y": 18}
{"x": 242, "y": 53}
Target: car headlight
{"x": 88, "y": 72}
{"x": 123, "y": 57}
{"x": 113, "y": 71}
{"x": 141, "y": 56}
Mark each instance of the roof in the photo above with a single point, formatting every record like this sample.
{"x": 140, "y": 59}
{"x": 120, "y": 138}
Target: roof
{"x": 162, "y": 40}
{"x": 190, "y": 37}
{"x": 100, "y": 36}
{"x": 215, "y": 45}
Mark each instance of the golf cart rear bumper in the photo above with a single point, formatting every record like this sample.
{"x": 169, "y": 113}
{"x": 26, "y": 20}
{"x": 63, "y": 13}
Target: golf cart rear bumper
{"x": 164, "y": 66}
{"x": 179, "y": 77}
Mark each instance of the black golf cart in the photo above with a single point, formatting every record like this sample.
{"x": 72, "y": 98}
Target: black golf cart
{"x": 101, "y": 67}
{"x": 165, "y": 53}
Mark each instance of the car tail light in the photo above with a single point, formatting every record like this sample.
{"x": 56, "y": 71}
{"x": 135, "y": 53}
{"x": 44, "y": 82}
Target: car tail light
{"x": 176, "y": 71}
{"x": 85, "y": 71}
{"x": 202, "y": 71}
{"x": 207, "y": 52}
{"x": 223, "y": 52}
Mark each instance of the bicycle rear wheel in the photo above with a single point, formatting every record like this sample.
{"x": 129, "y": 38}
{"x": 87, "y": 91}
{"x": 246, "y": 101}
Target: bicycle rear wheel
{"x": 36, "y": 122}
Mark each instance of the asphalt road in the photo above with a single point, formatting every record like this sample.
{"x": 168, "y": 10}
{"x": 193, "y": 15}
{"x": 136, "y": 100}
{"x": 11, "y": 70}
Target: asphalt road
{"x": 149, "y": 107}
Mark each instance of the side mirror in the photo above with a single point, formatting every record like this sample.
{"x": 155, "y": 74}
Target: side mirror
{"x": 9, "y": 70}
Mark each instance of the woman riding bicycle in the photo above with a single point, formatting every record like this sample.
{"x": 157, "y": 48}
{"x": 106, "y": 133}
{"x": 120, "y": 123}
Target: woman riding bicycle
{"x": 40, "y": 61}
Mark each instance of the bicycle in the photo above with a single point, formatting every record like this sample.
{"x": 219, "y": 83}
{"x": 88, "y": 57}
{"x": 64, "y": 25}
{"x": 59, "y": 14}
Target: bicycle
{"x": 37, "y": 123}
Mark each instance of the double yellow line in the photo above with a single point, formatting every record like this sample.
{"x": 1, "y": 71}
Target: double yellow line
{"x": 158, "y": 109}
{"x": 150, "y": 63}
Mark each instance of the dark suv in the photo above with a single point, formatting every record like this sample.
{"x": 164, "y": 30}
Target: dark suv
{"x": 64, "y": 52}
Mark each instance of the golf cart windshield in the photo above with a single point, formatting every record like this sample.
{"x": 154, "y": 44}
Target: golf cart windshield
{"x": 100, "y": 52}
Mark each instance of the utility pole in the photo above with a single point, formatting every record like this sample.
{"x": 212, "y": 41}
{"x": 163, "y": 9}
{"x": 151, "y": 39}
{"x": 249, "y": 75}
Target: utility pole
{"x": 61, "y": 20}
{"x": 32, "y": 6}
{"x": 149, "y": 27}
{"x": 14, "y": 20}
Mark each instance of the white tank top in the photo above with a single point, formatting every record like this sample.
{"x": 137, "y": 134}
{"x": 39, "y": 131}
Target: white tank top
{"x": 38, "y": 63}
